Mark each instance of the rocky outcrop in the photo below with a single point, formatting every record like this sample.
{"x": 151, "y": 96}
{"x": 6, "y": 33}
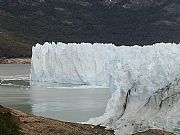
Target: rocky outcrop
{"x": 15, "y": 61}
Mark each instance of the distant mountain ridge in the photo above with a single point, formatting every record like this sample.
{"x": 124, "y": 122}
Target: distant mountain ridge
{"x": 122, "y": 22}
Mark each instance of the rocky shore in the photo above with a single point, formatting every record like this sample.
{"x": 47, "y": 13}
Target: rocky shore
{"x": 15, "y": 61}
{"x": 35, "y": 125}
{"x": 19, "y": 123}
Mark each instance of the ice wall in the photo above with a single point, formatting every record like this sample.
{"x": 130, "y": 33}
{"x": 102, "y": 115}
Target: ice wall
{"x": 72, "y": 63}
{"x": 144, "y": 80}
{"x": 132, "y": 111}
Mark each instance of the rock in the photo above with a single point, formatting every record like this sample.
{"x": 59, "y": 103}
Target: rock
{"x": 15, "y": 61}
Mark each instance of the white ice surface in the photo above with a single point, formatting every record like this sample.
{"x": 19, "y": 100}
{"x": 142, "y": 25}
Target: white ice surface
{"x": 133, "y": 74}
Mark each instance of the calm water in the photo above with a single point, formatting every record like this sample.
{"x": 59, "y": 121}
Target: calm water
{"x": 64, "y": 102}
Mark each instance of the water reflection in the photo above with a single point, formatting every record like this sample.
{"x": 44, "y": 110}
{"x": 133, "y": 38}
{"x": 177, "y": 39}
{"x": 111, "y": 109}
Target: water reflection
{"x": 60, "y": 101}
{"x": 16, "y": 97}
{"x": 70, "y": 103}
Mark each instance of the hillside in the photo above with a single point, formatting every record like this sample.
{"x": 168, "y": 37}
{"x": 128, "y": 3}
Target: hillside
{"x": 122, "y": 22}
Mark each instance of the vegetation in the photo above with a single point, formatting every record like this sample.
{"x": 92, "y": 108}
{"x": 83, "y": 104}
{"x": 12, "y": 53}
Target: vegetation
{"x": 11, "y": 46}
{"x": 8, "y": 125}
{"x": 23, "y": 25}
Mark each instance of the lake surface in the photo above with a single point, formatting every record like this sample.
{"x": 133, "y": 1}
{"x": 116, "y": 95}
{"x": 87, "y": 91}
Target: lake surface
{"x": 58, "y": 101}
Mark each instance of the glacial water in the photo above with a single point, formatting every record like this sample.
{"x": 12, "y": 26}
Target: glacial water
{"x": 59, "y": 101}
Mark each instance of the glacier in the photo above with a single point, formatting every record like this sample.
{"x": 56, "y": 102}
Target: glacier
{"x": 144, "y": 82}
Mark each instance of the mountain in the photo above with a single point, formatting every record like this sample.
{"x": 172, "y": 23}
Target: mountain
{"x": 122, "y": 22}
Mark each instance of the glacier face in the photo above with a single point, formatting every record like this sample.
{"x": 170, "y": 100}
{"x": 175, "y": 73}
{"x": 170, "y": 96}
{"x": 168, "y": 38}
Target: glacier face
{"x": 144, "y": 81}
{"x": 135, "y": 112}
{"x": 72, "y": 63}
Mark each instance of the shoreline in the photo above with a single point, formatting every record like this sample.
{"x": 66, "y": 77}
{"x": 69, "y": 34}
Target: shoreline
{"x": 29, "y": 124}
{"x": 15, "y": 60}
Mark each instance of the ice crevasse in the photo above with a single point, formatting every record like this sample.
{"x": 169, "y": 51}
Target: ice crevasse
{"x": 144, "y": 81}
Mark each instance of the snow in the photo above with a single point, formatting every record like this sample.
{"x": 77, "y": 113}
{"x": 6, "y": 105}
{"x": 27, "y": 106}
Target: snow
{"x": 144, "y": 81}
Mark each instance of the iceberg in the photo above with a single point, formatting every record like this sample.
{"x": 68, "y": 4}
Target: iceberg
{"x": 144, "y": 82}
